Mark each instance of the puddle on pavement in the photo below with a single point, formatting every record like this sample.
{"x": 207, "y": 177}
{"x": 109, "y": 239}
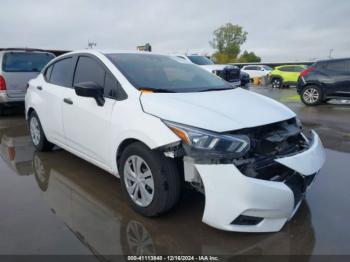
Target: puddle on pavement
{"x": 56, "y": 203}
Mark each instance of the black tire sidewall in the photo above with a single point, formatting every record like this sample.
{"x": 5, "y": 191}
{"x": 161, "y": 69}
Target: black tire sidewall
{"x": 155, "y": 161}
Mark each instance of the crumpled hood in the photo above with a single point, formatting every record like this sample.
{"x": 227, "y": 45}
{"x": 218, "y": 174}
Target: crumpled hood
{"x": 218, "y": 111}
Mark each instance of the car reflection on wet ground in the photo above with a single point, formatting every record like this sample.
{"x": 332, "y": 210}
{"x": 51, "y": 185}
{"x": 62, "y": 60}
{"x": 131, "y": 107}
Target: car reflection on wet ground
{"x": 56, "y": 203}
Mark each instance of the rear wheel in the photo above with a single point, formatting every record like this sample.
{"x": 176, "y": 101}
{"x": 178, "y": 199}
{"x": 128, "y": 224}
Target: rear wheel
{"x": 151, "y": 181}
{"x": 37, "y": 134}
{"x": 276, "y": 83}
{"x": 311, "y": 95}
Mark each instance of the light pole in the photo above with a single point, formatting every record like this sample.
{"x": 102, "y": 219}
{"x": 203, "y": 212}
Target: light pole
{"x": 330, "y": 53}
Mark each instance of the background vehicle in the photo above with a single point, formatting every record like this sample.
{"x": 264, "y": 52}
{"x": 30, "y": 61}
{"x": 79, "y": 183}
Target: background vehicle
{"x": 286, "y": 75}
{"x": 245, "y": 79}
{"x": 159, "y": 122}
{"x": 256, "y": 70}
{"x": 325, "y": 80}
{"x": 227, "y": 72}
{"x": 18, "y": 66}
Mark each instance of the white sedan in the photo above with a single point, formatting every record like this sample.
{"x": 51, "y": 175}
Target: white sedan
{"x": 158, "y": 122}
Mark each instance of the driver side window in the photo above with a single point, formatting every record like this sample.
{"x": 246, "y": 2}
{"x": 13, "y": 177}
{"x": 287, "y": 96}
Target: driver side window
{"x": 88, "y": 70}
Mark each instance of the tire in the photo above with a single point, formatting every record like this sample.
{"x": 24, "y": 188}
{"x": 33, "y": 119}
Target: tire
{"x": 311, "y": 95}
{"x": 154, "y": 170}
{"x": 276, "y": 83}
{"x": 37, "y": 134}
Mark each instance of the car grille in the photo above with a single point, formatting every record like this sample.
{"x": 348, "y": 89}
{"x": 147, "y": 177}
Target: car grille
{"x": 275, "y": 140}
{"x": 298, "y": 184}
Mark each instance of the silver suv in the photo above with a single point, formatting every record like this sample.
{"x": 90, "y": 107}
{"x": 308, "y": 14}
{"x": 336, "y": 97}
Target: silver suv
{"x": 17, "y": 67}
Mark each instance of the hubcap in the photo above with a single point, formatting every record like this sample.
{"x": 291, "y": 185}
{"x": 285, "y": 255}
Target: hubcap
{"x": 311, "y": 95}
{"x": 139, "y": 181}
{"x": 276, "y": 83}
{"x": 35, "y": 130}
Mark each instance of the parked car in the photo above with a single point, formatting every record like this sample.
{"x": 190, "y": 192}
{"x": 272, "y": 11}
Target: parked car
{"x": 245, "y": 79}
{"x": 325, "y": 80}
{"x": 228, "y": 72}
{"x": 286, "y": 75}
{"x": 18, "y": 66}
{"x": 157, "y": 122}
{"x": 256, "y": 70}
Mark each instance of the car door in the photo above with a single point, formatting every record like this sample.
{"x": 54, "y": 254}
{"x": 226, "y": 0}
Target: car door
{"x": 87, "y": 126}
{"x": 249, "y": 70}
{"x": 57, "y": 77}
{"x": 339, "y": 73}
{"x": 288, "y": 74}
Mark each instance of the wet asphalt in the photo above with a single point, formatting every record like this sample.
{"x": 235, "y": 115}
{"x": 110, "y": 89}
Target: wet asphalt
{"x": 57, "y": 203}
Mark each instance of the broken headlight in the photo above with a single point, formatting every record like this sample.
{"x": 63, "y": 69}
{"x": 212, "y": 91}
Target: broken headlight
{"x": 201, "y": 143}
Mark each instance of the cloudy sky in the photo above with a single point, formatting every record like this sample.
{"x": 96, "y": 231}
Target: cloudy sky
{"x": 292, "y": 30}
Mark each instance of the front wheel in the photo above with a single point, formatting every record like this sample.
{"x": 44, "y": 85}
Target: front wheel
{"x": 151, "y": 181}
{"x": 311, "y": 95}
{"x": 37, "y": 134}
{"x": 276, "y": 83}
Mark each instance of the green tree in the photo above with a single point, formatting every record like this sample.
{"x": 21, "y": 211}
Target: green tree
{"x": 249, "y": 57}
{"x": 227, "y": 41}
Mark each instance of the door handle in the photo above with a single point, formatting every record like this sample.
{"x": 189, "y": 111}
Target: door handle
{"x": 39, "y": 88}
{"x": 68, "y": 101}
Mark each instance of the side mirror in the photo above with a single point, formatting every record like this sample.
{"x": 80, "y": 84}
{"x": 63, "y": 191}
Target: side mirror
{"x": 90, "y": 89}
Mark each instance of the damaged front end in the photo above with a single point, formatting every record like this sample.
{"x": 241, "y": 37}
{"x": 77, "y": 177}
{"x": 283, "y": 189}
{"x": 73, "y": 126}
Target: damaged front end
{"x": 254, "y": 179}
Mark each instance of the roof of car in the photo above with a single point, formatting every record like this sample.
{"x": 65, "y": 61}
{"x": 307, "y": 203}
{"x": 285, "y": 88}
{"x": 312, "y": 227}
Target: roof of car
{"x": 289, "y": 66}
{"x": 104, "y": 51}
{"x": 333, "y": 59}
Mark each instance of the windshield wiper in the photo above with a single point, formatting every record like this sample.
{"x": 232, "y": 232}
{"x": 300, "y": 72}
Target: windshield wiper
{"x": 157, "y": 90}
{"x": 216, "y": 89}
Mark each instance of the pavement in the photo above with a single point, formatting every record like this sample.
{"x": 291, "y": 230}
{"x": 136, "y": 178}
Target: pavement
{"x": 57, "y": 203}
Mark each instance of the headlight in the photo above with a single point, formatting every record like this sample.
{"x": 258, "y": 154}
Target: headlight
{"x": 199, "y": 142}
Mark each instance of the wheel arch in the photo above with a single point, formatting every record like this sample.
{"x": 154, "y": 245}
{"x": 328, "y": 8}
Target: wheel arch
{"x": 124, "y": 144}
{"x": 273, "y": 77}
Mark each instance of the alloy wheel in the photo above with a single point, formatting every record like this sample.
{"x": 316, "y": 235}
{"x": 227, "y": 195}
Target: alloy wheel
{"x": 139, "y": 181}
{"x": 35, "y": 130}
{"x": 276, "y": 83}
{"x": 311, "y": 95}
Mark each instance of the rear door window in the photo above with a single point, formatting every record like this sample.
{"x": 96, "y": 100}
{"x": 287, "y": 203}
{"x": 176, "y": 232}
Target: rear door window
{"x": 298, "y": 69}
{"x": 25, "y": 61}
{"x": 336, "y": 66}
{"x": 62, "y": 72}
{"x": 287, "y": 69}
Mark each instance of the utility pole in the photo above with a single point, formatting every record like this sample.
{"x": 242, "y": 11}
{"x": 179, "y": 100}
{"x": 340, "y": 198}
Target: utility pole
{"x": 91, "y": 44}
{"x": 330, "y": 53}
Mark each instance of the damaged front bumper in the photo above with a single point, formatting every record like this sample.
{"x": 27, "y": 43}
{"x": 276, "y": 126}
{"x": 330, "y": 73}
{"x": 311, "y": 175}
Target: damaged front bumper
{"x": 236, "y": 202}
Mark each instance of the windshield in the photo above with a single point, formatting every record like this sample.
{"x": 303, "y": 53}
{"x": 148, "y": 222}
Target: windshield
{"x": 25, "y": 61}
{"x": 267, "y": 68}
{"x": 165, "y": 74}
{"x": 200, "y": 60}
